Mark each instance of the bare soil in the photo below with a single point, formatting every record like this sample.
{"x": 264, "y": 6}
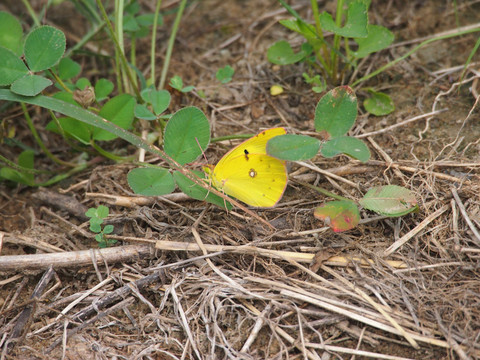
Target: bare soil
{"x": 242, "y": 290}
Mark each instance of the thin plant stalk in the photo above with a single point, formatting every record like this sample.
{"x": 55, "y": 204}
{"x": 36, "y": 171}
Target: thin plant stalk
{"x": 109, "y": 155}
{"x": 119, "y": 5}
{"x": 85, "y": 39}
{"x": 121, "y": 55}
{"x": 20, "y": 168}
{"x": 469, "y": 59}
{"x": 39, "y": 141}
{"x": 171, "y": 42}
{"x": 154, "y": 41}
{"x": 318, "y": 25}
{"x": 336, "y": 40}
{"x": 31, "y": 12}
{"x": 321, "y": 190}
{"x": 407, "y": 54}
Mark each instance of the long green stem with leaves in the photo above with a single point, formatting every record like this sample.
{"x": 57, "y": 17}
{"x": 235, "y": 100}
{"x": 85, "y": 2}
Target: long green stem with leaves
{"x": 336, "y": 39}
{"x": 154, "y": 41}
{"x": 323, "y": 59}
{"x": 171, "y": 42}
{"x": 39, "y": 141}
{"x": 321, "y": 190}
{"x": 123, "y": 59}
{"x": 31, "y": 12}
{"x": 403, "y": 57}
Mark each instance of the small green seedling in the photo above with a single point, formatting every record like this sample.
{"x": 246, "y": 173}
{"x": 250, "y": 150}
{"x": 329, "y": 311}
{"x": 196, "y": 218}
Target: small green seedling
{"x": 225, "y": 74}
{"x": 97, "y": 216}
{"x": 334, "y": 59}
{"x": 176, "y": 82}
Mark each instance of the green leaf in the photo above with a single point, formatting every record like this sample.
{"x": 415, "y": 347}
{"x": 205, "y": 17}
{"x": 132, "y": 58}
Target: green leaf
{"x": 319, "y": 84}
{"x": 96, "y": 221}
{"x": 11, "y": 33}
{"x": 356, "y": 24}
{"x": 147, "y": 20}
{"x": 379, "y": 103}
{"x": 339, "y": 215}
{"x": 15, "y": 176}
{"x": 176, "y": 82}
{"x": 76, "y": 129}
{"x": 108, "y": 229}
{"x": 67, "y": 68}
{"x": 293, "y": 147}
{"x": 390, "y": 200}
{"x": 11, "y": 67}
{"x": 91, "y": 212}
{"x": 102, "y": 212}
{"x": 347, "y": 145}
{"x": 225, "y": 74}
{"x": 197, "y": 192}
{"x": 150, "y": 181}
{"x": 142, "y": 112}
{"x": 281, "y": 53}
{"x": 336, "y": 112}
{"x": 160, "y": 99}
{"x": 306, "y": 30}
{"x": 118, "y": 110}
{"x": 65, "y": 96}
{"x": 187, "y": 89}
{"x": 25, "y": 159}
{"x": 378, "y": 39}
{"x": 30, "y": 85}
{"x": 103, "y": 88}
{"x": 44, "y": 47}
{"x": 130, "y": 24}
{"x": 187, "y": 135}
{"x": 83, "y": 83}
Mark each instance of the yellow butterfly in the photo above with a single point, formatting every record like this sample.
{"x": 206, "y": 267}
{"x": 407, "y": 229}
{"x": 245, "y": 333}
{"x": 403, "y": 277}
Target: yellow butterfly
{"x": 247, "y": 173}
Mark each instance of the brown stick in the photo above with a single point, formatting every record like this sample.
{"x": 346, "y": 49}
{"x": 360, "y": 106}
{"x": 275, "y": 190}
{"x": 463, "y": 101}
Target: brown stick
{"x": 75, "y": 258}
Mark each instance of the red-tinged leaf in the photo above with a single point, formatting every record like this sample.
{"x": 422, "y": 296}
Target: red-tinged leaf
{"x": 339, "y": 215}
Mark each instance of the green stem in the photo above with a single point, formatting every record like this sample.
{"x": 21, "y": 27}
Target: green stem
{"x": 154, "y": 41}
{"x": 319, "y": 35}
{"x": 118, "y": 48}
{"x": 91, "y": 33}
{"x": 119, "y": 5}
{"x": 59, "y": 81}
{"x": 63, "y": 176}
{"x": 321, "y": 190}
{"x": 109, "y": 155}
{"x": 20, "y": 168}
{"x": 324, "y": 47}
{"x": 39, "y": 141}
{"x": 336, "y": 40}
{"x": 403, "y": 57}
{"x": 171, "y": 42}
{"x": 133, "y": 54}
{"x": 31, "y": 12}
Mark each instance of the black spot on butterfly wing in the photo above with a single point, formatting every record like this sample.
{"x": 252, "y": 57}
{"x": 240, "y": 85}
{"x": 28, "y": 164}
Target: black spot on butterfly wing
{"x": 246, "y": 154}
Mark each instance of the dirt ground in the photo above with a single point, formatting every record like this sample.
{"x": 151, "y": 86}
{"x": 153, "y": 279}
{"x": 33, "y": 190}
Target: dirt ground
{"x": 187, "y": 280}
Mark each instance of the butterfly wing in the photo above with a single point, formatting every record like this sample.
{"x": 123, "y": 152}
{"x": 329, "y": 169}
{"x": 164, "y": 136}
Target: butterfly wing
{"x": 256, "y": 179}
{"x": 254, "y": 145}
